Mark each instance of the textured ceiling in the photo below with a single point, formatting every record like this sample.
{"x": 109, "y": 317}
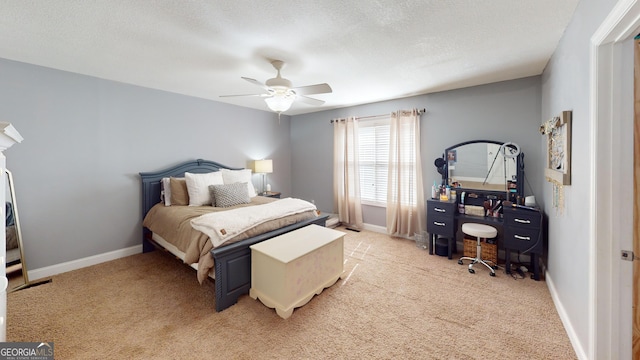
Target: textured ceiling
{"x": 366, "y": 50}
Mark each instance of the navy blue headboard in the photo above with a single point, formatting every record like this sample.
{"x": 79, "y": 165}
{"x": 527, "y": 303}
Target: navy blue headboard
{"x": 151, "y": 180}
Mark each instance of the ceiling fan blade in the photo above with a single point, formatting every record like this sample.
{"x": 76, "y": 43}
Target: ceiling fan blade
{"x": 310, "y": 101}
{"x": 256, "y": 82}
{"x": 313, "y": 89}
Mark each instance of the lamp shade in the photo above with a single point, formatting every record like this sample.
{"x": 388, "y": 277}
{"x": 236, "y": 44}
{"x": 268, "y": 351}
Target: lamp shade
{"x": 263, "y": 166}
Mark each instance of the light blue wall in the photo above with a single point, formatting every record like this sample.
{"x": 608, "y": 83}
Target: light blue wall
{"x": 566, "y": 86}
{"x": 504, "y": 111}
{"x": 86, "y": 140}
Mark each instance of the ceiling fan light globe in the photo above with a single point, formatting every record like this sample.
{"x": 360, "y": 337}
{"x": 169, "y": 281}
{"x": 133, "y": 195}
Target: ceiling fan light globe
{"x": 279, "y": 103}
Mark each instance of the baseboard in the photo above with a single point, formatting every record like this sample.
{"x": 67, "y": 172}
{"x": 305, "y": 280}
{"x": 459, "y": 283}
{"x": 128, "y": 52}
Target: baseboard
{"x": 48, "y": 271}
{"x": 375, "y": 228}
{"x": 573, "y": 337}
{"x": 379, "y": 229}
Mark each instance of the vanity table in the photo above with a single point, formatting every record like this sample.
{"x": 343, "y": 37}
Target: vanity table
{"x": 518, "y": 230}
{"x": 486, "y": 170}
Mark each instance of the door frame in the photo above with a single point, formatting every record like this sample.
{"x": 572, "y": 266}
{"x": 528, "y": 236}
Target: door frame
{"x": 604, "y": 274}
{"x": 635, "y": 287}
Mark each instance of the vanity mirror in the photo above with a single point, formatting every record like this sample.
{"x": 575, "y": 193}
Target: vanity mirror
{"x": 485, "y": 165}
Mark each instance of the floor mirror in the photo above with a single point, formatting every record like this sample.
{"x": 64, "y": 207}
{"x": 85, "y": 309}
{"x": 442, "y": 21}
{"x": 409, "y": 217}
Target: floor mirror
{"x": 16, "y": 265}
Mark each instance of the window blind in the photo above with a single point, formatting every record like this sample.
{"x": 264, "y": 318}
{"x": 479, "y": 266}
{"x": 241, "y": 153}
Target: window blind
{"x": 374, "y": 160}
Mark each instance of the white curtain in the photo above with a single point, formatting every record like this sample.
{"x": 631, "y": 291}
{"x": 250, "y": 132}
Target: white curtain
{"x": 405, "y": 199}
{"x": 346, "y": 177}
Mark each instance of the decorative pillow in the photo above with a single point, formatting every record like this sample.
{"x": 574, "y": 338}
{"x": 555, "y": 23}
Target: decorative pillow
{"x": 165, "y": 191}
{"x": 198, "y": 187}
{"x": 230, "y": 194}
{"x": 178, "y": 189}
{"x": 239, "y": 176}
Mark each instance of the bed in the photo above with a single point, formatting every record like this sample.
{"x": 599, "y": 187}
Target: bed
{"x": 231, "y": 261}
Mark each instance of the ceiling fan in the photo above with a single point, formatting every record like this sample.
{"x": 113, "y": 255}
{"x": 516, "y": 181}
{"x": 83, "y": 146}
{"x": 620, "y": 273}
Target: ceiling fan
{"x": 280, "y": 95}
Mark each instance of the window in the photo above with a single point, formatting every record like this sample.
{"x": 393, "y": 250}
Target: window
{"x": 373, "y": 146}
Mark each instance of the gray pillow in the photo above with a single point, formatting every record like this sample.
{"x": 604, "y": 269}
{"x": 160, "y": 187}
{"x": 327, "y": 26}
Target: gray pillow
{"x": 229, "y": 194}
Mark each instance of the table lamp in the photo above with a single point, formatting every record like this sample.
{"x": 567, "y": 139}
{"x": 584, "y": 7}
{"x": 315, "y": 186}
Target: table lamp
{"x": 263, "y": 167}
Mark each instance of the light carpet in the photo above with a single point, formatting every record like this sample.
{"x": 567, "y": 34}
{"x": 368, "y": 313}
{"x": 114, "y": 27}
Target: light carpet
{"x": 395, "y": 301}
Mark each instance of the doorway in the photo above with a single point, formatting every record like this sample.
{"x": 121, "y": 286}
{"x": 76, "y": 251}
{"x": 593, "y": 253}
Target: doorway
{"x": 611, "y": 278}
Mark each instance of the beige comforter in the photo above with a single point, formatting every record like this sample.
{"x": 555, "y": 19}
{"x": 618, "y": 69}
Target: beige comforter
{"x": 173, "y": 224}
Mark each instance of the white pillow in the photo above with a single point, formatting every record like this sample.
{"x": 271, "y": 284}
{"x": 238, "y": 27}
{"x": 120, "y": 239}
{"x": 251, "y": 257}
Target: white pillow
{"x": 165, "y": 191}
{"x": 198, "y": 187}
{"x": 239, "y": 176}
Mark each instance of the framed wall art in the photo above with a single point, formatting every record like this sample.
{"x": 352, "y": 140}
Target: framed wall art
{"x": 558, "y": 133}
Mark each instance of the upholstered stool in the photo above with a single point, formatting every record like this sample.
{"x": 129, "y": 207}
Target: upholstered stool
{"x": 480, "y": 231}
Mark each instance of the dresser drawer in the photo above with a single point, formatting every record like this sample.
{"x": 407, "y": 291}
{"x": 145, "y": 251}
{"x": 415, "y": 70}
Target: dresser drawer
{"x": 441, "y": 218}
{"x": 520, "y": 217}
{"x": 523, "y": 238}
{"x": 441, "y": 225}
{"x": 442, "y": 208}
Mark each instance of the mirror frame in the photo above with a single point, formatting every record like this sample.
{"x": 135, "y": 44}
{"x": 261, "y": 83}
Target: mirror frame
{"x": 444, "y": 170}
{"x": 16, "y": 219}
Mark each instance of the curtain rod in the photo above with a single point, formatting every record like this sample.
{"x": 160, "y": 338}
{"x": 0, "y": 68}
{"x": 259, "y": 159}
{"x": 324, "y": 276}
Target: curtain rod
{"x": 420, "y": 112}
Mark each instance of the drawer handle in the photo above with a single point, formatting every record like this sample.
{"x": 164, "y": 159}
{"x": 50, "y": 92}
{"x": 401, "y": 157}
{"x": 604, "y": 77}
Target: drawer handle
{"x": 439, "y": 223}
{"x": 522, "y": 237}
{"x": 440, "y": 210}
{"x": 522, "y": 221}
